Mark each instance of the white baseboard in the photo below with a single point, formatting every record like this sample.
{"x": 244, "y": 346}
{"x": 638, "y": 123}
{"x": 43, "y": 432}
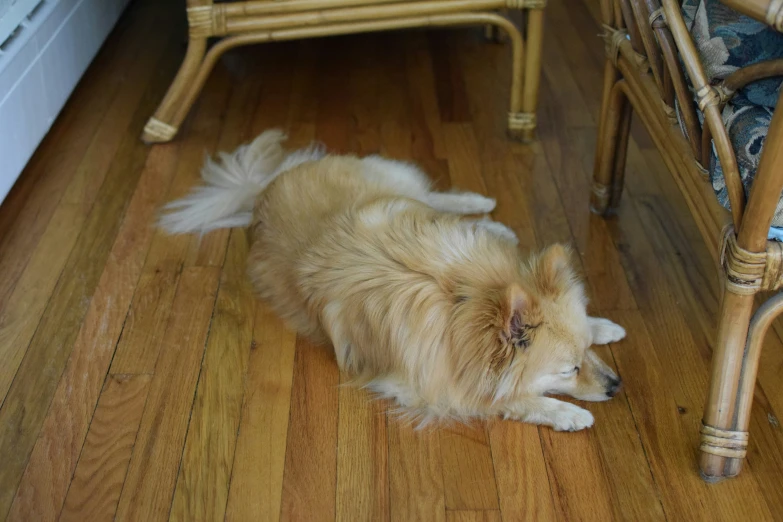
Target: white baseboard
{"x": 39, "y": 67}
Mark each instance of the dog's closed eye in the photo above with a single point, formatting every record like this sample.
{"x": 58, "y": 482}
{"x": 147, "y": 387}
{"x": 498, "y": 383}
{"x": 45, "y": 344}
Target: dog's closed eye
{"x": 571, "y": 371}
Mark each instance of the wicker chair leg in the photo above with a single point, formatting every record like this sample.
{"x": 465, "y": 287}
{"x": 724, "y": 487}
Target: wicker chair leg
{"x": 719, "y": 438}
{"x": 522, "y": 118}
{"x": 163, "y": 125}
{"x": 759, "y": 325}
{"x": 753, "y": 266}
{"x": 609, "y": 170}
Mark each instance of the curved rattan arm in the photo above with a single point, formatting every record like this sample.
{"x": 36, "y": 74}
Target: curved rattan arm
{"x": 767, "y": 11}
{"x": 708, "y": 100}
{"x": 751, "y": 73}
{"x": 736, "y": 81}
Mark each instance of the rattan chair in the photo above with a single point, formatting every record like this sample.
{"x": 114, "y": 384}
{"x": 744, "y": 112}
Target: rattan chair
{"x": 654, "y": 69}
{"x": 231, "y": 24}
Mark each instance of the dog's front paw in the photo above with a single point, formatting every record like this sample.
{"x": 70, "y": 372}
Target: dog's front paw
{"x": 605, "y": 331}
{"x": 568, "y": 417}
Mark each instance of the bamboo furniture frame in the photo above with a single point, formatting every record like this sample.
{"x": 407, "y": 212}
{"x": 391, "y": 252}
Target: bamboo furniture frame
{"x": 645, "y": 41}
{"x": 256, "y": 21}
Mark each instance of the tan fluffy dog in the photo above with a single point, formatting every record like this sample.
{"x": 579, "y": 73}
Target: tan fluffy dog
{"x": 436, "y": 311}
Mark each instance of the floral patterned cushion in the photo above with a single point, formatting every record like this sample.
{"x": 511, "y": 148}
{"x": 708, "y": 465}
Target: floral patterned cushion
{"x": 727, "y": 40}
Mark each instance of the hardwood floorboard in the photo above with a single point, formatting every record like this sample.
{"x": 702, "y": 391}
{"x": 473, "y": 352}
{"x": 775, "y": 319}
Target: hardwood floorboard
{"x": 310, "y": 475}
{"x": 416, "y": 488}
{"x": 141, "y": 380}
{"x": 205, "y": 470}
{"x": 51, "y": 341}
{"x": 146, "y": 323}
{"x": 94, "y": 492}
{"x": 32, "y": 201}
{"x": 57, "y": 450}
{"x": 256, "y": 486}
{"x": 34, "y": 287}
{"x": 149, "y": 487}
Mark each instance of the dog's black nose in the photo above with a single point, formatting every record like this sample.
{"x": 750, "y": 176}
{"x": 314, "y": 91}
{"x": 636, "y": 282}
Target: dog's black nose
{"x": 614, "y": 387}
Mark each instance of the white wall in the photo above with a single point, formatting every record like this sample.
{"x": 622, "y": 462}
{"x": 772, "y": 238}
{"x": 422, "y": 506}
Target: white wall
{"x": 39, "y": 67}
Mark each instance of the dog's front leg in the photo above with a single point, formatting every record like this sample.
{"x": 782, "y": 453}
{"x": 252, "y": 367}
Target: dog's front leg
{"x": 560, "y": 415}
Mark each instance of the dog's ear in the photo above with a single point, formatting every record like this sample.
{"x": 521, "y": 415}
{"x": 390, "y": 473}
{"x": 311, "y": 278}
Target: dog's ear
{"x": 555, "y": 274}
{"x": 515, "y": 307}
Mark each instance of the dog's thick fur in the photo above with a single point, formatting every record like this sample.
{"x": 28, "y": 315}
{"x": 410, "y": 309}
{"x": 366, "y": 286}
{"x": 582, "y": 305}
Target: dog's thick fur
{"x": 426, "y": 307}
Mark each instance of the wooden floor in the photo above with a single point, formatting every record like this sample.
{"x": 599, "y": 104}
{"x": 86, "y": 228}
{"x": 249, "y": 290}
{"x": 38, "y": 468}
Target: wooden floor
{"x": 141, "y": 381}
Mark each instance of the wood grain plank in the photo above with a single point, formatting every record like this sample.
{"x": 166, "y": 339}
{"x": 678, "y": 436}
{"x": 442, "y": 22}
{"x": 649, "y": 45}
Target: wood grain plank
{"x": 520, "y": 471}
{"x": 632, "y": 488}
{"x": 23, "y": 412}
{"x": 578, "y": 481}
{"x": 365, "y": 88}
{"x": 670, "y": 443}
{"x": 303, "y": 84}
{"x": 149, "y": 486}
{"x": 29, "y": 206}
{"x": 97, "y": 481}
{"x": 473, "y": 516}
{"x": 449, "y": 80}
{"x": 362, "y": 457}
{"x": 765, "y": 456}
{"x": 138, "y": 348}
{"x": 416, "y": 490}
{"x": 309, "y": 483}
{"x": 565, "y": 150}
{"x": 257, "y": 474}
{"x": 44, "y": 484}
{"x": 569, "y": 101}
{"x": 468, "y": 472}
{"x": 465, "y": 171}
{"x": 506, "y": 176}
{"x": 333, "y": 129}
{"x": 112, "y": 139}
{"x": 146, "y": 321}
{"x": 202, "y": 486}
{"x": 423, "y": 98}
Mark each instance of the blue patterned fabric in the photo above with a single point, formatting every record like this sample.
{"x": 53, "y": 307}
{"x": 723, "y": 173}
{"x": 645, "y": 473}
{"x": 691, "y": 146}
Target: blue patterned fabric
{"x": 727, "y": 40}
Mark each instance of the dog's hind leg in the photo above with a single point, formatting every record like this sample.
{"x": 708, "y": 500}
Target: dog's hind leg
{"x": 460, "y": 202}
{"x": 604, "y": 331}
{"x": 499, "y": 229}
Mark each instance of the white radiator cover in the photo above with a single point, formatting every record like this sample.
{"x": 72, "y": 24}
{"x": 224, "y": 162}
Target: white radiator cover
{"x": 39, "y": 67}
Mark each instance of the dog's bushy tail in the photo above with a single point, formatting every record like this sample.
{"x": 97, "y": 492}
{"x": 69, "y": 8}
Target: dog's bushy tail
{"x": 232, "y": 184}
